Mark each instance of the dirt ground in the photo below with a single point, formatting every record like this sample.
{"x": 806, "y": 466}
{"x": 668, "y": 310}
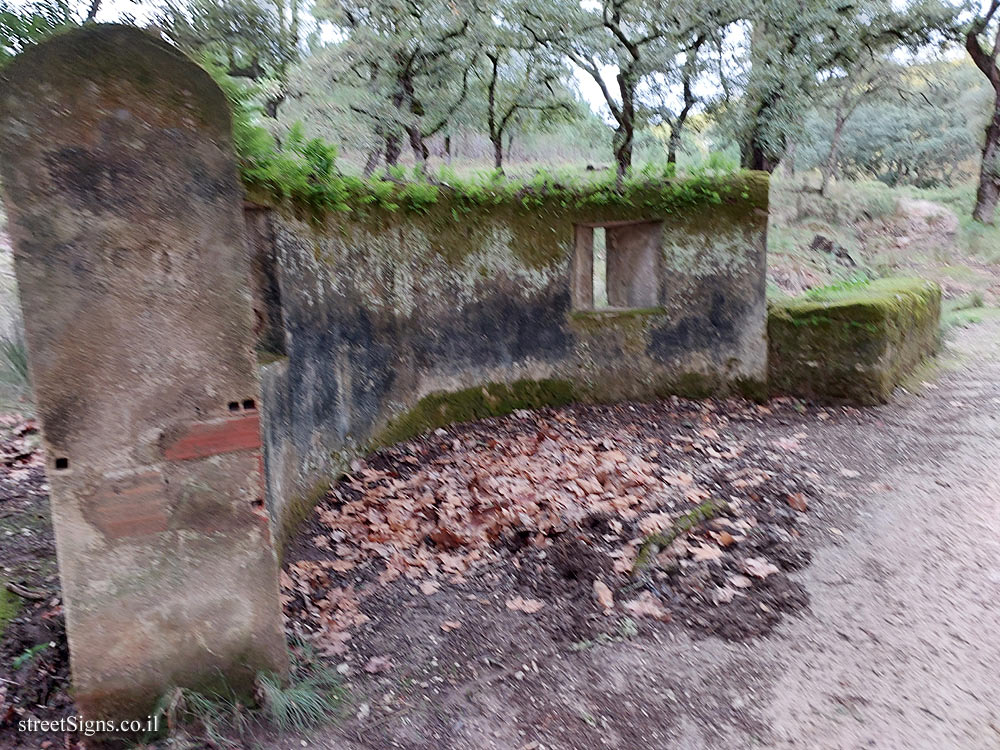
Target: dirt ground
{"x": 897, "y": 646}
{"x": 854, "y": 607}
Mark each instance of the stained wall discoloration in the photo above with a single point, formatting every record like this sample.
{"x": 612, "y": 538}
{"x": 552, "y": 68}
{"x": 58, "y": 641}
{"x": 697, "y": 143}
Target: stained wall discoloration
{"x": 382, "y": 309}
{"x": 125, "y": 212}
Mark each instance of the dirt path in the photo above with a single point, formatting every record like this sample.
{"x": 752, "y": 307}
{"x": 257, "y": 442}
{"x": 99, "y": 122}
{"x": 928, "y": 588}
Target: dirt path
{"x": 898, "y": 648}
{"x": 902, "y": 645}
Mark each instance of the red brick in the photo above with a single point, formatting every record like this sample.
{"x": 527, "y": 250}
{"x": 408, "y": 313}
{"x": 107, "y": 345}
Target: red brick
{"x": 132, "y": 507}
{"x": 203, "y": 439}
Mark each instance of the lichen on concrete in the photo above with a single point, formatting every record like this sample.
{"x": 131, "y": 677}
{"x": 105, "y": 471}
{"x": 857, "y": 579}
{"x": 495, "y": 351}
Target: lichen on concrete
{"x": 855, "y": 343}
{"x": 401, "y": 321}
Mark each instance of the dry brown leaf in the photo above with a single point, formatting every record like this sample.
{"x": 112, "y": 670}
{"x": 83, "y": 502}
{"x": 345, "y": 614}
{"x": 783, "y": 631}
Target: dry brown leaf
{"x": 740, "y": 582}
{"x": 759, "y": 567}
{"x": 725, "y": 539}
{"x": 646, "y": 605}
{"x": 603, "y": 595}
{"x": 705, "y": 552}
{"x": 449, "y": 625}
{"x": 378, "y": 664}
{"x": 528, "y": 606}
{"x": 430, "y": 587}
{"x": 797, "y": 500}
{"x": 723, "y": 594}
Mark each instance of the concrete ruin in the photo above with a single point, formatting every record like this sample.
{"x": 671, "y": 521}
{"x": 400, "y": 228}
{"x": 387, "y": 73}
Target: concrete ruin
{"x": 125, "y": 211}
{"x": 390, "y": 324}
{"x": 371, "y": 326}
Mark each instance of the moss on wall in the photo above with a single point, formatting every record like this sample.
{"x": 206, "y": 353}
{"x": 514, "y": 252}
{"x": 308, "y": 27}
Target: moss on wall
{"x": 387, "y": 304}
{"x": 853, "y": 344}
{"x": 489, "y": 400}
{"x": 725, "y": 198}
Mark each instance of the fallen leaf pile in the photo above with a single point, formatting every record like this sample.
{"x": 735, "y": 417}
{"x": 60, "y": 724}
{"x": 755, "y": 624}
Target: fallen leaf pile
{"x": 434, "y": 510}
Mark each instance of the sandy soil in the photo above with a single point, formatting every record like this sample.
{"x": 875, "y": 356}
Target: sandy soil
{"x": 899, "y": 646}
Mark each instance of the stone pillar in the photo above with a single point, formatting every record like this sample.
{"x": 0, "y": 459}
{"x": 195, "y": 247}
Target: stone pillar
{"x": 125, "y": 211}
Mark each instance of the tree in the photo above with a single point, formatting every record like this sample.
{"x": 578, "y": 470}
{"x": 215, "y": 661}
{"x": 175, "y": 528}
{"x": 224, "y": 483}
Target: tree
{"x": 866, "y": 78}
{"x": 984, "y": 55}
{"x": 519, "y": 80}
{"x": 624, "y": 36}
{"x": 408, "y": 64}
{"x": 26, "y": 24}
{"x": 684, "y": 76}
{"x": 794, "y": 44}
{"x": 254, "y": 39}
{"x": 914, "y": 128}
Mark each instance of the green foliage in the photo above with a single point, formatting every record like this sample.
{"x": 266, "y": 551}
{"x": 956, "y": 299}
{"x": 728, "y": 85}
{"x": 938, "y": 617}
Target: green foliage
{"x": 923, "y": 130}
{"x": 27, "y": 656}
{"x": 225, "y": 720}
{"x": 25, "y": 24}
{"x": 303, "y": 173}
{"x": 13, "y": 359}
{"x": 9, "y": 606}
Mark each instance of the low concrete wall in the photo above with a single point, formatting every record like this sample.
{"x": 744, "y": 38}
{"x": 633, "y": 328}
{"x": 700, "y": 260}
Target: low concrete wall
{"x": 856, "y": 345}
{"x": 398, "y": 323}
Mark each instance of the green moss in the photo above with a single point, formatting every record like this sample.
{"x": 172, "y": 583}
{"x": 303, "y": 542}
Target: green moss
{"x": 265, "y": 358}
{"x": 751, "y": 389}
{"x": 489, "y": 400}
{"x": 9, "y": 606}
{"x": 683, "y": 524}
{"x": 853, "y": 342}
{"x": 695, "y": 385}
{"x": 298, "y": 508}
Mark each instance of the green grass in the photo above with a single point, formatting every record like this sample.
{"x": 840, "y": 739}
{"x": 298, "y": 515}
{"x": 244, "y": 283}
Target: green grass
{"x": 221, "y": 718}
{"x": 9, "y": 606}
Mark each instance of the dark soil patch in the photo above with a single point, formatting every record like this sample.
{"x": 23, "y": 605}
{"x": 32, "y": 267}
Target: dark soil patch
{"x": 34, "y": 658}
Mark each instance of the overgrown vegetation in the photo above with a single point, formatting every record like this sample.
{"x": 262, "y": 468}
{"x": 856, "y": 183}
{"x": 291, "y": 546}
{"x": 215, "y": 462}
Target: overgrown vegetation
{"x": 303, "y": 172}
{"x": 222, "y": 719}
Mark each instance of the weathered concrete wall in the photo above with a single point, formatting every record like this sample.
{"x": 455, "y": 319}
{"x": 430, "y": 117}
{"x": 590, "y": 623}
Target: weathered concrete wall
{"x": 125, "y": 212}
{"x": 393, "y": 323}
{"x": 856, "y": 345}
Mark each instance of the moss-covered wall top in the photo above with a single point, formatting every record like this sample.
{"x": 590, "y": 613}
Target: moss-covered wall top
{"x": 855, "y": 343}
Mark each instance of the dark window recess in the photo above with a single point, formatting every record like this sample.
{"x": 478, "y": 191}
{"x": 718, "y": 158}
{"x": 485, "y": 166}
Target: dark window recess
{"x": 234, "y": 406}
{"x": 249, "y": 404}
{"x": 62, "y": 463}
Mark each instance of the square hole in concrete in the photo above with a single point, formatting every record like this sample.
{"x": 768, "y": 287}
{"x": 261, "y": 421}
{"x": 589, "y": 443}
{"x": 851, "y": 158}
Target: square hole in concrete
{"x": 617, "y": 265}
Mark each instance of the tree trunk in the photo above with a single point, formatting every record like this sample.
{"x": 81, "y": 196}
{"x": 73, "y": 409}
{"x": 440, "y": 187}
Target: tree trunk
{"x": 498, "y": 152}
{"x": 831, "y": 158}
{"x": 393, "y": 148}
{"x": 420, "y": 152}
{"x": 789, "y": 160}
{"x": 625, "y": 132}
{"x": 989, "y": 171}
{"x": 674, "y": 143}
{"x": 755, "y": 157}
{"x": 372, "y": 161}
{"x": 689, "y": 100}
